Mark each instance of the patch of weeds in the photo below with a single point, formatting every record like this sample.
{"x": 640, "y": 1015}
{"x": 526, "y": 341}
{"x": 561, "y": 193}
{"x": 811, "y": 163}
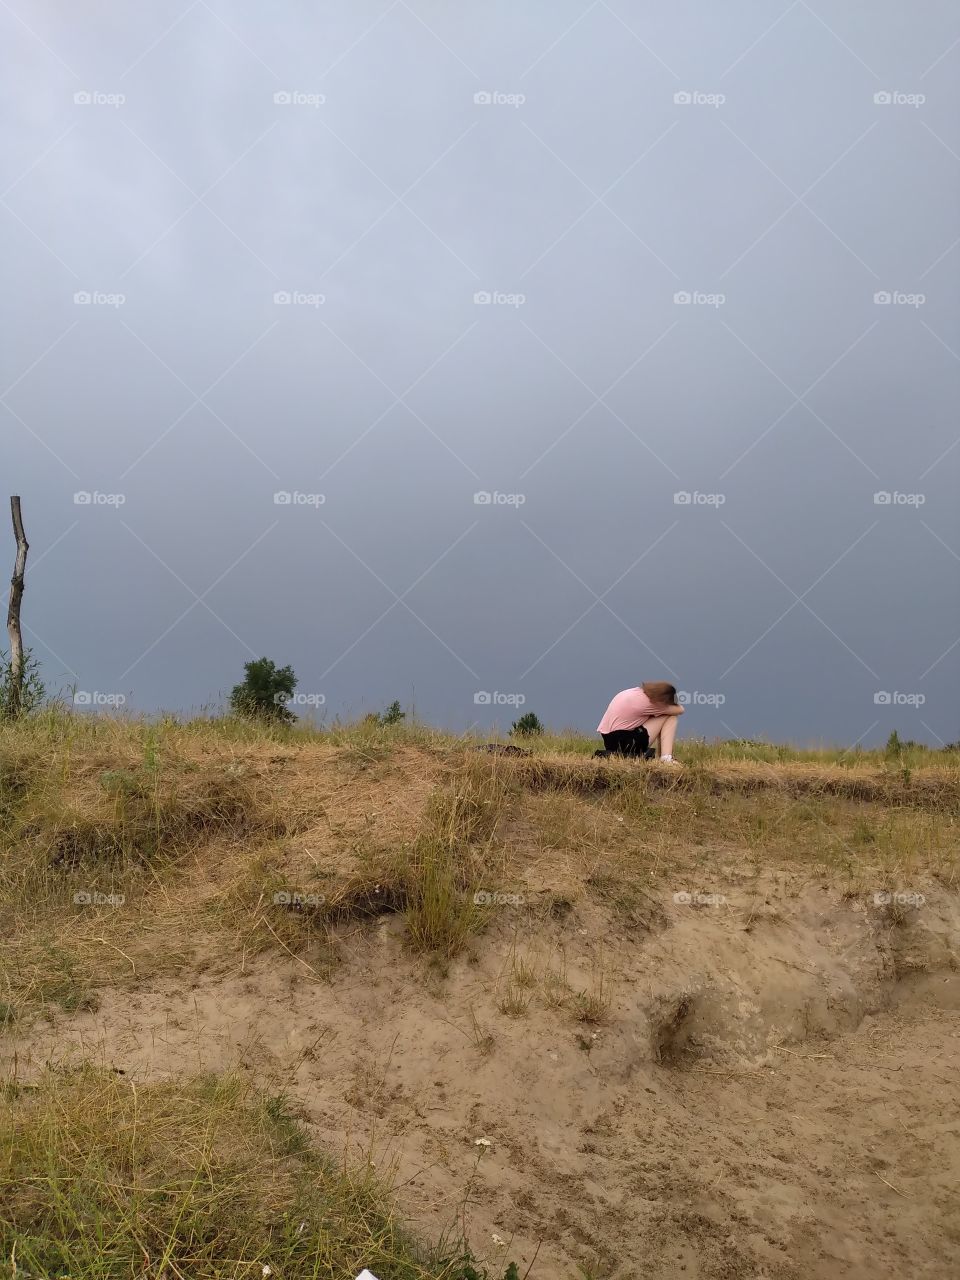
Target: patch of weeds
{"x": 863, "y": 833}
{"x": 151, "y": 748}
{"x": 524, "y": 974}
{"x": 210, "y": 1172}
{"x": 443, "y": 869}
{"x": 483, "y": 1040}
{"x": 440, "y": 914}
{"x": 514, "y": 1002}
{"x": 286, "y": 1125}
{"x": 556, "y": 991}
{"x": 78, "y": 1000}
{"x": 64, "y": 986}
{"x": 121, "y": 782}
{"x": 593, "y": 1006}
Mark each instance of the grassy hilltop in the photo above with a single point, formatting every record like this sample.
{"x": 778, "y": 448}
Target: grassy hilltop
{"x": 182, "y": 902}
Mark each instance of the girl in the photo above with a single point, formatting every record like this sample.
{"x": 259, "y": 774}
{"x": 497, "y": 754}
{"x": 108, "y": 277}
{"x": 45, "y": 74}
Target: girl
{"x": 641, "y": 716}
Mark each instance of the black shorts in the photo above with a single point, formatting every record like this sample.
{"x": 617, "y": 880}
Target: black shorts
{"x": 627, "y": 742}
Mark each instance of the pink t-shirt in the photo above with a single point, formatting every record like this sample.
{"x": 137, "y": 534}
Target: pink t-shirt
{"x": 628, "y": 710}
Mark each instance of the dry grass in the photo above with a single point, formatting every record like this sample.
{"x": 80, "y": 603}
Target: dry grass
{"x": 96, "y": 826}
{"x": 456, "y": 851}
{"x": 198, "y": 827}
{"x": 937, "y": 787}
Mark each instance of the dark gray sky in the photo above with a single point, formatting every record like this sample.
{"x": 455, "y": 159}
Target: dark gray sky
{"x": 381, "y": 163}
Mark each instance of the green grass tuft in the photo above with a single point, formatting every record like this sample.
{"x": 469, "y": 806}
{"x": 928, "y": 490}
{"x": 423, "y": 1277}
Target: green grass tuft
{"x": 205, "y": 1180}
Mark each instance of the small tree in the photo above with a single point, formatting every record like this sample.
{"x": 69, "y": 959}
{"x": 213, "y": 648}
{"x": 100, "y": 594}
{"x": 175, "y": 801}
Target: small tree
{"x": 392, "y": 715}
{"x": 20, "y": 695}
{"x": 265, "y": 692}
{"x": 528, "y": 726}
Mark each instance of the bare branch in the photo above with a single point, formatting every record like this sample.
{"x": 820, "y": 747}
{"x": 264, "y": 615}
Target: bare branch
{"x": 15, "y": 698}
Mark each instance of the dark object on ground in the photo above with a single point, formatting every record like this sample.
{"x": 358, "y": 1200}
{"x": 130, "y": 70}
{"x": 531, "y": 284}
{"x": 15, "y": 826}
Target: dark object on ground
{"x": 627, "y": 742}
{"x": 649, "y": 754}
{"x": 502, "y": 749}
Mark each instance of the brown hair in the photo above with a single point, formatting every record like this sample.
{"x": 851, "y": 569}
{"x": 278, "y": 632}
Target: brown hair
{"x": 660, "y": 692}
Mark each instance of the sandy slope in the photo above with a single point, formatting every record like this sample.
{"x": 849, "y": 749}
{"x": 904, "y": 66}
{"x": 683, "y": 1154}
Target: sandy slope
{"x": 773, "y": 1091}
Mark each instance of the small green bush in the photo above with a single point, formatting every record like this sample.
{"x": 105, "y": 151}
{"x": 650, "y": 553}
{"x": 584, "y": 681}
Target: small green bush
{"x": 33, "y": 692}
{"x": 265, "y": 692}
{"x": 528, "y": 726}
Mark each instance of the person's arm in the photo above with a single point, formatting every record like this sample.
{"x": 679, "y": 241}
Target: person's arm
{"x": 663, "y": 709}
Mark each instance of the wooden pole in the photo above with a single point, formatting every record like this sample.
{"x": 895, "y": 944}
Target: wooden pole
{"x": 15, "y": 698}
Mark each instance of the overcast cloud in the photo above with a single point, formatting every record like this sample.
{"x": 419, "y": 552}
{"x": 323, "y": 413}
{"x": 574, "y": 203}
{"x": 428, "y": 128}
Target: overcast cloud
{"x": 387, "y": 165}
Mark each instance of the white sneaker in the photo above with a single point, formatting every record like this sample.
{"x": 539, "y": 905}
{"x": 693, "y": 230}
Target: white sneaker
{"x": 669, "y": 760}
